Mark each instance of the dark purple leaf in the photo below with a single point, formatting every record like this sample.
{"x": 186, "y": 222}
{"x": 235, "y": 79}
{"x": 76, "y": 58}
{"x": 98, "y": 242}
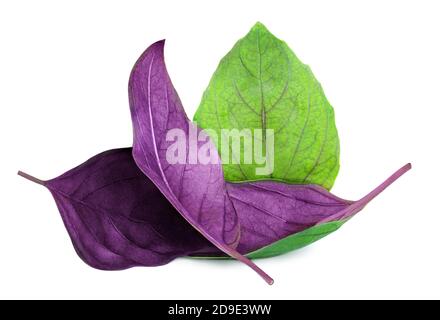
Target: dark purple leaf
{"x": 117, "y": 218}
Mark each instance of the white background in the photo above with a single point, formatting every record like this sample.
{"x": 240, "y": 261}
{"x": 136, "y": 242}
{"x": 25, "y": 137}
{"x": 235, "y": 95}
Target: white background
{"x": 64, "y": 69}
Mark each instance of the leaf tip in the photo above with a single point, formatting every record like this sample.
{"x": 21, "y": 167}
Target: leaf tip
{"x": 160, "y": 43}
{"x": 259, "y": 26}
{"x": 158, "y": 46}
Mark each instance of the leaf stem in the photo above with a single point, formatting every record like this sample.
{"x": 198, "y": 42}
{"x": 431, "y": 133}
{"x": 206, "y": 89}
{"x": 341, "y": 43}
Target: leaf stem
{"x": 31, "y": 178}
{"x": 358, "y": 205}
{"x": 251, "y": 265}
{"x": 396, "y": 175}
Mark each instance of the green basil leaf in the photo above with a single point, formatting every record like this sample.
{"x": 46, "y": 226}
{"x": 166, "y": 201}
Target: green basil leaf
{"x": 261, "y": 84}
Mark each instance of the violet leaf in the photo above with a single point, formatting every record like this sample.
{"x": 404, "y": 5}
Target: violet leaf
{"x": 117, "y": 218}
{"x": 196, "y": 190}
{"x": 261, "y": 85}
{"x": 276, "y": 217}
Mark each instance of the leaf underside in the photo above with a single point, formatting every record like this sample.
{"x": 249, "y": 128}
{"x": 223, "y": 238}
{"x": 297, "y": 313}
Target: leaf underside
{"x": 196, "y": 190}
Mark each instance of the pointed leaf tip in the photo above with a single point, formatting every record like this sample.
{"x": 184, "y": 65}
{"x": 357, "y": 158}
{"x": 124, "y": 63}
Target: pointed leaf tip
{"x": 259, "y": 26}
{"x": 156, "y": 48}
{"x": 159, "y": 44}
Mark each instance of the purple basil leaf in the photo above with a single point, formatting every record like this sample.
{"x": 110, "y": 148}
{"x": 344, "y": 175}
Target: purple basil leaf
{"x": 269, "y": 211}
{"x": 197, "y": 190}
{"x": 117, "y": 218}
